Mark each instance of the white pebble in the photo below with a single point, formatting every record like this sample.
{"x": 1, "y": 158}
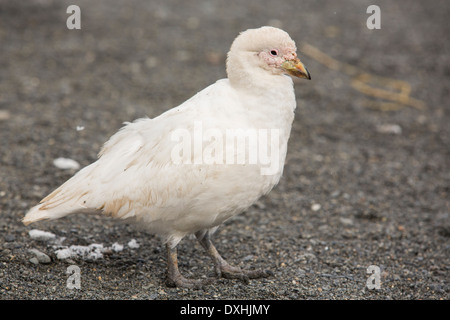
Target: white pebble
{"x": 116, "y": 247}
{"x": 133, "y": 244}
{"x": 346, "y": 221}
{"x": 63, "y": 254}
{"x": 41, "y": 235}
{"x": 96, "y": 251}
{"x": 316, "y": 207}
{"x": 91, "y": 252}
{"x": 65, "y": 163}
{"x": 389, "y": 128}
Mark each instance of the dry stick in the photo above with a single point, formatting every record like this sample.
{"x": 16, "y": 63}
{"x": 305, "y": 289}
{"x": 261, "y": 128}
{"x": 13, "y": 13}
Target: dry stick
{"x": 361, "y": 79}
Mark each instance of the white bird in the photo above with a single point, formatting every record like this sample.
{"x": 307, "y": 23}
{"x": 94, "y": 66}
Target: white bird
{"x": 180, "y": 173}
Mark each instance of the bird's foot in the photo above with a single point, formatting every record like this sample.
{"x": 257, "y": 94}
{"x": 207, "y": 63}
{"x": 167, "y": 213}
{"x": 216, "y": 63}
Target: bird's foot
{"x": 182, "y": 282}
{"x": 230, "y": 272}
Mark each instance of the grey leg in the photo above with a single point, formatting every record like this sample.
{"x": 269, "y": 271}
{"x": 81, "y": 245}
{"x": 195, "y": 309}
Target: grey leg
{"x": 222, "y": 267}
{"x": 174, "y": 277}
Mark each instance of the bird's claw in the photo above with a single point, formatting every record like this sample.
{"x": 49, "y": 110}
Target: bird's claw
{"x": 230, "y": 272}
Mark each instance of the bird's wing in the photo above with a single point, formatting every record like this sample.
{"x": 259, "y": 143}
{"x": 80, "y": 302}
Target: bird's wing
{"x": 135, "y": 172}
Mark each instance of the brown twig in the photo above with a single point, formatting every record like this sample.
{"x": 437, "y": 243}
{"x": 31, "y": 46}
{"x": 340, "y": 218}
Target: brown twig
{"x": 396, "y": 91}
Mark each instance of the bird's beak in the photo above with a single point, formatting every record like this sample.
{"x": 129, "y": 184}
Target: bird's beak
{"x": 296, "y": 68}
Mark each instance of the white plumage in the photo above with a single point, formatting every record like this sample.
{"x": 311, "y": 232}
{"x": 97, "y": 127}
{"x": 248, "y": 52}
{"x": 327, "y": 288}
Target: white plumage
{"x": 136, "y": 175}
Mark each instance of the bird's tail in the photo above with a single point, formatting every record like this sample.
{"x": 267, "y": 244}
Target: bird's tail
{"x": 35, "y": 214}
{"x": 47, "y": 210}
{"x": 67, "y": 199}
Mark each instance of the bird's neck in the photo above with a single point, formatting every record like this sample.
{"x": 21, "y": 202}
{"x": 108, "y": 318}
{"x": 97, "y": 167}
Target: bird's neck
{"x": 247, "y": 76}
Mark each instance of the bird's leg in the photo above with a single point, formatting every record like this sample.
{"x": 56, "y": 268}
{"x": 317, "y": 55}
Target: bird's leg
{"x": 174, "y": 277}
{"x": 222, "y": 267}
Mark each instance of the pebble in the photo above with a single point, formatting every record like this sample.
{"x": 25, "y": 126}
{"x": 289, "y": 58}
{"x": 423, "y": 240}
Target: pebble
{"x": 10, "y": 238}
{"x": 335, "y": 194}
{"x": 389, "y": 128}
{"x": 40, "y": 235}
{"x": 63, "y": 254}
{"x": 133, "y": 244}
{"x": 40, "y": 257}
{"x": 346, "y": 221}
{"x": 5, "y": 115}
{"x": 301, "y": 273}
{"x": 116, "y": 247}
{"x": 93, "y": 251}
{"x": 248, "y": 258}
{"x": 306, "y": 257}
{"x": 66, "y": 164}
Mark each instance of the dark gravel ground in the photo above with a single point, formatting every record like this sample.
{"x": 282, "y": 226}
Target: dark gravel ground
{"x": 352, "y": 194}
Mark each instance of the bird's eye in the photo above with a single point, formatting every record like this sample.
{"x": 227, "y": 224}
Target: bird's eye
{"x": 274, "y": 52}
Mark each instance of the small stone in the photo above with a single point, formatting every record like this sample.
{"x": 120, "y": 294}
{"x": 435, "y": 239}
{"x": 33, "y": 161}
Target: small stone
{"x": 248, "y": 258}
{"x": 63, "y": 254}
{"x": 40, "y": 256}
{"x": 116, "y": 247}
{"x": 306, "y": 258}
{"x": 4, "y": 115}
{"x": 389, "y": 128}
{"x": 301, "y": 273}
{"x": 66, "y": 164}
{"x": 316, "y": 207}
{"x": 133, "y": 244}
{"x": 10, "y": 238}
{"x": 335, "y": 194}
{"x": 346, "y": 221}
{"x": 41, "y": 235}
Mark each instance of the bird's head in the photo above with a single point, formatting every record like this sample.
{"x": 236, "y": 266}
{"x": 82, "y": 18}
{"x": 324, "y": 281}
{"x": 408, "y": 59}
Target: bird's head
{"x": 267, "y": 48}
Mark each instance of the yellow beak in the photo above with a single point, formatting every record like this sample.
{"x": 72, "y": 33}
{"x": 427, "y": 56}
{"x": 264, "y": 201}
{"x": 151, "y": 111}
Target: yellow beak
{"x": 296, "y": 68}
